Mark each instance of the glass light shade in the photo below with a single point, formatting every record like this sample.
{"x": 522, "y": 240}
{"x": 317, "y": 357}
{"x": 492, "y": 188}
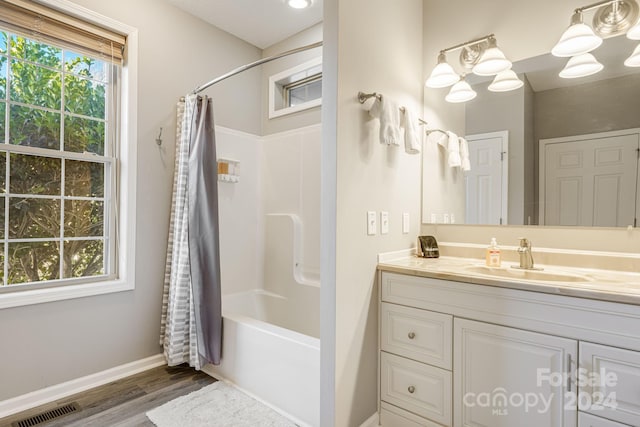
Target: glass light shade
{"x": 634, "y": 59}
{"x": 492, "y": 61}
{"x": 579, "y": 38}
{"x": 299, "y": 4}
{"x": 634, "y": 32}
{"x": 581, "y": 66}
{"x": 505, "y": 81}
{"x": 460, "y": 92}
{"x": 443, "y": 75}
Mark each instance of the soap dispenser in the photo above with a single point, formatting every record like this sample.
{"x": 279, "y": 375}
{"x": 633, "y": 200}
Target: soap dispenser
{"x": 493, "y": 257}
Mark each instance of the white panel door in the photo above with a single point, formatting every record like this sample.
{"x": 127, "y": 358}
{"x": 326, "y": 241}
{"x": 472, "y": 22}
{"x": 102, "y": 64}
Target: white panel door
{"x": 486, "y": 182}
{"x": 591, "y": 181}
{"x": 506, "y": 377}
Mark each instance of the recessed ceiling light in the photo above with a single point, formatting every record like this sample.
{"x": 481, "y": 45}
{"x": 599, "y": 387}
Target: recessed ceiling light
{"x": 299, "y": 4}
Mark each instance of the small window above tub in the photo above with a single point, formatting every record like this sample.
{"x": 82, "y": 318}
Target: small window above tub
{"x": 296, "y": 89}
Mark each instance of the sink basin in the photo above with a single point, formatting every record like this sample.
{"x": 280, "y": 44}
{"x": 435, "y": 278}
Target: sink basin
{"x": 515, "y": 273}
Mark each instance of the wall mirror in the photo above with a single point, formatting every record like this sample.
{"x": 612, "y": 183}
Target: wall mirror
{"x": 571, "y": 146}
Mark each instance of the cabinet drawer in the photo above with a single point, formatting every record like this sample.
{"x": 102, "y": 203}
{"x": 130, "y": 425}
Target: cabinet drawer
{"x": 421, "y": 335}
{"x": 588, "y": 420}
{"x": 622, "y": 377}
{"x": 422, "y": 389}
{"x": 392, "y": 416}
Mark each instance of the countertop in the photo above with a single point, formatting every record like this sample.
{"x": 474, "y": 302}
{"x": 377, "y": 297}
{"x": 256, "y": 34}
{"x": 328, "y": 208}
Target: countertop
{"x": 604, "y": 285}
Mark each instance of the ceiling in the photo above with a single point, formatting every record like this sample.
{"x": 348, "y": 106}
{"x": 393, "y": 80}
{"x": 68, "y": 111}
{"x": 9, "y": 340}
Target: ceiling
{"x": 259, "y": 22}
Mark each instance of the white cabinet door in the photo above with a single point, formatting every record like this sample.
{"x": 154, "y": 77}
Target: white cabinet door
{"x": 505, "y": 377}
{"x": 610, "y": 380}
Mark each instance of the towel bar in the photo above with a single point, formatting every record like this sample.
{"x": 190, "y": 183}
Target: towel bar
{"x": 362, "y": 98}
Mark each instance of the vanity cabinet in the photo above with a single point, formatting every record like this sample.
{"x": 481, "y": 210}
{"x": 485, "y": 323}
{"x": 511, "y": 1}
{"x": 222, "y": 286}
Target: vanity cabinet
{"x": 461, "y": 354}
{"x": 502, "y": 377}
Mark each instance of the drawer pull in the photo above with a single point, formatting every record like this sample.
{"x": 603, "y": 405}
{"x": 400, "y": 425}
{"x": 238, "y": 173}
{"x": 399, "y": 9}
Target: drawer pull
{"x": 411, "y": 389}
{"x": 412, "y": 335}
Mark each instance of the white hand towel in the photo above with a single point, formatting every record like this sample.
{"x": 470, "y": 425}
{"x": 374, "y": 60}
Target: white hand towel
{"x": 464, "y": 155}
{"x": 412, "y": 140}
{"x": 389, "y": 115}
{"x": 453, "y": 148}
{"x": 438, "y": 137}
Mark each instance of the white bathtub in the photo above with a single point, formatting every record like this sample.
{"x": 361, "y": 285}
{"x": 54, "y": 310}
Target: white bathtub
{"x": 271, "y": 350}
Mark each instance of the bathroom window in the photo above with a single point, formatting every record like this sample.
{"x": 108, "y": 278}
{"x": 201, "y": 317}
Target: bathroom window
{"x": 60, "y": 146}
{"x": 296, "y": 89}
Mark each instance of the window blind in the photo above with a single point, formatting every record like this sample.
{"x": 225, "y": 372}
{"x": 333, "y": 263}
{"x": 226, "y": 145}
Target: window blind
{"x": 42, "y": 23}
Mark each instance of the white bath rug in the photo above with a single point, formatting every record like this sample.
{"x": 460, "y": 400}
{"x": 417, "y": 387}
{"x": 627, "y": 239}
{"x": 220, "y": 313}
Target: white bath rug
{"x": 216, "y": 405}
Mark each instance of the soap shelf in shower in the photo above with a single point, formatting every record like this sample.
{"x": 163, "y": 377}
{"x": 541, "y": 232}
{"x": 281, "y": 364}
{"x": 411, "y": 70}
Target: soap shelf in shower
{"x": 228, "y": 170}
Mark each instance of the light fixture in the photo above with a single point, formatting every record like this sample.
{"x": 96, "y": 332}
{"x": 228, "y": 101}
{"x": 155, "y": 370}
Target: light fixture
{"x": 460, "y": 92}
{"x": 634, "y": 32}
{"x": 443, "y": 74}
{"x": 581, "y": 66}
{"x": 634, "y": 59}
{"x": 505, "y": 81}
{"x": 299, "y": 4}
{"x": 492, "y": 61}
{"x": 579, "y": 38}
{"x": 481, "y": 54}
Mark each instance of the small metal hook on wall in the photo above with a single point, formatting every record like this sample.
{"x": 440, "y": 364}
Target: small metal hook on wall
{"x": 159, "y": 138}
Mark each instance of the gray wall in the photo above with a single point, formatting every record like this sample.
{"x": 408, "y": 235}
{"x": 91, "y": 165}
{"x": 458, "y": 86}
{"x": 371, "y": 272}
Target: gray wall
{"x": 51, "y": 343}
{"x": 590, "y": 108}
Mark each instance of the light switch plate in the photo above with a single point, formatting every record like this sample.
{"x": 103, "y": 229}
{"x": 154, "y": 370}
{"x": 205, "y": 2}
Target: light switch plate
{"x": 405, "y": 223}
{"x": 445, "y": 218}
{"x": 434, "y": 218}
{"x": 453, "y": 219}
{"x": 372, "y": 224}
{"x": 384, "y": 222}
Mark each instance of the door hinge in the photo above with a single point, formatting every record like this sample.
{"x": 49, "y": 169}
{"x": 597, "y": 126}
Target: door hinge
{"x": 635, "y": 222}
{"x": 500, "y": 221}
{"x": 638, "y": 152}
{"x": 502, "y": 153}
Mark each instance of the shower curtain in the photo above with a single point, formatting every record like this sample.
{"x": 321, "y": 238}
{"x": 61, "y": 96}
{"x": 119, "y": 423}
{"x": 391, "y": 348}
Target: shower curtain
{"x": 191, "y": 328}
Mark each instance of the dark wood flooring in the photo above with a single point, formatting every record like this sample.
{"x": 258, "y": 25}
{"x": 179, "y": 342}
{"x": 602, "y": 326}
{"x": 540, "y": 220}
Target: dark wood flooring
{"x": 123, "y": 403}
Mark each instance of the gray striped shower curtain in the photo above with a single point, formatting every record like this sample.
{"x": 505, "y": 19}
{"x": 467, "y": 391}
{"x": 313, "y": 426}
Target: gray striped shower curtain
{"x": 191, "y": 327}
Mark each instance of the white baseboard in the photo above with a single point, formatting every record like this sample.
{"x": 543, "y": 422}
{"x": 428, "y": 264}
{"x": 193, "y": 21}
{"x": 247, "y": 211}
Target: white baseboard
{"x": 371, "y": 422}
{"x": 59, "y": 391}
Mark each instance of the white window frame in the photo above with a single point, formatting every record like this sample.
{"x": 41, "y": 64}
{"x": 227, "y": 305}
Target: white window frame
{"x": 284, "y": 79}
{"x": 126, "y": 177}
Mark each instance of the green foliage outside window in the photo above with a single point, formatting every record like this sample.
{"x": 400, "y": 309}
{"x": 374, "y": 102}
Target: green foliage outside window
{"x": 56, "y": 100}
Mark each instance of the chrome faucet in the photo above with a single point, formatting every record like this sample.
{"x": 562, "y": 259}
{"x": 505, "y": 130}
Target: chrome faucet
{"x": 526, "y": 259}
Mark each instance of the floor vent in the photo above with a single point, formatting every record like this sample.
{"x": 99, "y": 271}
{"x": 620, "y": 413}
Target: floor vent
{"x": 48, "y": 415}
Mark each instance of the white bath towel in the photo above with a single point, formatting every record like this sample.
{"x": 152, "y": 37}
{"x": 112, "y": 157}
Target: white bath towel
{"x": 453, "y": 148}
{"x": 389, "y": 115}
{"x": 438, "y": 137}
{"x": 412, "y": 134}
{"x": 465, "y": 164}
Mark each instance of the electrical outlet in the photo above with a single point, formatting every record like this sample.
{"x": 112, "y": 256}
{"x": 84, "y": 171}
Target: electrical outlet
{"x": 405, "y": 223}
{"x": 372, "y": 224}
{"x": 384, "y": 222}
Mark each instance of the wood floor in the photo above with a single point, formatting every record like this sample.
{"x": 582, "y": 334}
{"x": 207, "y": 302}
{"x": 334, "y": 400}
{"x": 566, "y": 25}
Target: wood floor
{"x": 123, "y": 403}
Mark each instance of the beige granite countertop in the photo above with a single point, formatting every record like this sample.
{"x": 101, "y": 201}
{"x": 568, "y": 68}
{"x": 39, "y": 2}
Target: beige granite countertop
{"x": 605, "y": 285}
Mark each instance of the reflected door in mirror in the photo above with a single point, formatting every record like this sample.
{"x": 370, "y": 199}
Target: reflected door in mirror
{"x": 590, "y": 180}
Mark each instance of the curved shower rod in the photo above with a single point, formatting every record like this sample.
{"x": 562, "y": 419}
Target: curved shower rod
{"x": 255, "y": 64}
